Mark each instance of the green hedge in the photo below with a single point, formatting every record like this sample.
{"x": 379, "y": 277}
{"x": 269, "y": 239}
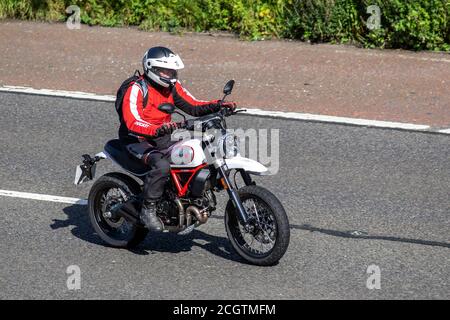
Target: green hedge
{"x": 409, "y": 24}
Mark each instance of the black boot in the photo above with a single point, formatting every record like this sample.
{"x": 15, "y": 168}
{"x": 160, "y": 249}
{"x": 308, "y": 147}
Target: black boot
{"x": 149, "y": 218}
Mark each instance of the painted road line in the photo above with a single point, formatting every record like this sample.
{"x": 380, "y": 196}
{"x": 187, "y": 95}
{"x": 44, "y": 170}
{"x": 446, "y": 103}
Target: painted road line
{"x": 250, "y": 111}
{"x": 446, "y": 131}
{"x": 338, "y": 120}
{"x": 42, "y": 197}
{"x": 58, "y": 93}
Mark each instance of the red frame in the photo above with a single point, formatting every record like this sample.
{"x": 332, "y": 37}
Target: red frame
{"x": 182, "y": 190}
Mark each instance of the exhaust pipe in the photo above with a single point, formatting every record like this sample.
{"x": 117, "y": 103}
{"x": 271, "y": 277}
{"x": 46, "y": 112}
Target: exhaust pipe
{"x": 202, "y": 217}
{"x": 181, "y": 213}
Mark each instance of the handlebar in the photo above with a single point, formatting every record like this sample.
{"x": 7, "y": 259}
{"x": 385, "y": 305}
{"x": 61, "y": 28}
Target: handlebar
{"x": 223, "y": 112}
{"x": 228, "y": 112}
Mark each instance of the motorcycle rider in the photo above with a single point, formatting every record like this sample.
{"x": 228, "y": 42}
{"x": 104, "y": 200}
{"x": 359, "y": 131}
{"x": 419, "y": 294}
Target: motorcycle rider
{"x": 147, "y": 131}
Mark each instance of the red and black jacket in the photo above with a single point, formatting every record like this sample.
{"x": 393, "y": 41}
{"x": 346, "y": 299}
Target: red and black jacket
{"x": 142, "y": 121}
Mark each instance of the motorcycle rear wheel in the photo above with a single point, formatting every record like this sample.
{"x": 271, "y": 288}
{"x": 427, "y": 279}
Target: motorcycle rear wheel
{"x": 107, "y": 191}
{"x": 272, "y": 232}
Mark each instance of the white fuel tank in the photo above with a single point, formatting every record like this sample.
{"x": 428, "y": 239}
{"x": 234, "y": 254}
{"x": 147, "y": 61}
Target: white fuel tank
{"x": 187, "y": 154}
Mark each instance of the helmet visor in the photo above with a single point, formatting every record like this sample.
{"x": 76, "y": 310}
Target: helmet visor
{"x": 165, "y": 73}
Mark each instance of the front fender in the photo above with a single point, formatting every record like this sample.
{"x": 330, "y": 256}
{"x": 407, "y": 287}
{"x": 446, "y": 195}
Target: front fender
{"x": 249, "y": 165}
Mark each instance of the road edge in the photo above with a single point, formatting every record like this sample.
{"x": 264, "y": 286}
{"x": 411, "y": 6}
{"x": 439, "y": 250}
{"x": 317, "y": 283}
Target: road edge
{"x": 308, "y": 117}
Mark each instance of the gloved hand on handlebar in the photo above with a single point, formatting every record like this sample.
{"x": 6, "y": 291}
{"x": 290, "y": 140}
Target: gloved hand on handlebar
{"x": 168, "y": 128}
{"x": 229, "y": 105}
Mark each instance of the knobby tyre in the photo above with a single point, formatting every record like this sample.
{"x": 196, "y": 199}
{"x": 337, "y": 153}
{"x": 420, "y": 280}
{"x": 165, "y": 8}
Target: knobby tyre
{"x": 109, "y": 190}
{"x": 268, "y": 242}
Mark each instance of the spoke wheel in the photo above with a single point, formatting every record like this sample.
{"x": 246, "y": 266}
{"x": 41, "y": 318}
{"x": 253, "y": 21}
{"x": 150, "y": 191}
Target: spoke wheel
{"x": 268, "y": 238}
{"x": 261, "y": 239}
{"x": 109, "y": 191}
{"x": 115, "y": 227}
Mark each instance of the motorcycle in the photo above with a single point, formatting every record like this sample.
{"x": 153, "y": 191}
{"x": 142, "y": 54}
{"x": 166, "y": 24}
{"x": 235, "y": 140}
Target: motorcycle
{"x": 255, "y": 220}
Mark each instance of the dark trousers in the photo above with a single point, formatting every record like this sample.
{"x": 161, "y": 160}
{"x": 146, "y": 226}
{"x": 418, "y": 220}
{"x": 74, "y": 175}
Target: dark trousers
{"x": 158, "y": 176}
{"x": 157, "y": 158}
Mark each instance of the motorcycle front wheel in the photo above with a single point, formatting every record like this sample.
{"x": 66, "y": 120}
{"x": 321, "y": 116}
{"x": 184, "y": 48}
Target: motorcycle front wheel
{"x": 108, "y": 191}
{"x": 268, "y": 240}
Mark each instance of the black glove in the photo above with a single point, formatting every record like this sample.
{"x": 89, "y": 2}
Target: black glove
{"x": 230, "y": 105}
{"x": 228, "y": 108}
{"x": 168, "y": 128}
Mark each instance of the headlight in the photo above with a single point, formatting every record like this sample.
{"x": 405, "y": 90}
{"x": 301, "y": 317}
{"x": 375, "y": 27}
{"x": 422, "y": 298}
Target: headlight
{"x": 230, "y": 146}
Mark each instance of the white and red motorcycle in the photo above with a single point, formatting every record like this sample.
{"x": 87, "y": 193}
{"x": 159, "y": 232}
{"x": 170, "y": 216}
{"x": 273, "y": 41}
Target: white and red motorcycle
{"x": 255, "y": 220}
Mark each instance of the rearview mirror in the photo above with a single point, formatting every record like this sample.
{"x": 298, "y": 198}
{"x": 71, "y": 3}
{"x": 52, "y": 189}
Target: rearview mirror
{"x": 228, "y": 87}
{"x": 166, "y": 108}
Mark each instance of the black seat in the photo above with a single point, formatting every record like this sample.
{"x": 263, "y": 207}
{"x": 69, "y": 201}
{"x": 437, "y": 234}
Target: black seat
{"x": 121, "y": 156}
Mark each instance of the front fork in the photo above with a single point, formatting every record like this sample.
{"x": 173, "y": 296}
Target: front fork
{"x": 245, "y": 220}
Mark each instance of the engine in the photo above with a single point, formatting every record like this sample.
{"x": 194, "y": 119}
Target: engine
{"x": 178, "y": 214}
{"x": 167, "y": 211}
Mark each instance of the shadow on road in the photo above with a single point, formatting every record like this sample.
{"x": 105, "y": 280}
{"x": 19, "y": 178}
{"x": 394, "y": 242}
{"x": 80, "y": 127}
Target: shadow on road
{"x": 359, "y": 235}
{"x": 77, "y": 216}
{"x": 354, "y": 234}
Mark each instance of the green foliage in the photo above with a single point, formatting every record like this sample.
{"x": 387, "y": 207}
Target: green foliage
{"x": 420, "y": 24}
{"x": 32, "y": 9}
{"x": 322, "y": 20}
{"x": 409, "y": 24}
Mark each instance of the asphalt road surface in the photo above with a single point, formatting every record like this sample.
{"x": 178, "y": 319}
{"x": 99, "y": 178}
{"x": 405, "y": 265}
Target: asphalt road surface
{"x": 355, "y": 197}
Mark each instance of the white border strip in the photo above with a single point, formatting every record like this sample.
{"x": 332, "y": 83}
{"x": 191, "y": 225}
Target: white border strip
{"x": 42, "y": 197}
{"x": 339, "y": 120}
{"x": 59, "y": 93}
{"x": 256, "y": 112}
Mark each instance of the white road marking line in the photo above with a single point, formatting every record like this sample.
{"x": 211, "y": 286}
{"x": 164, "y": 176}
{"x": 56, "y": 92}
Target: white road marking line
{"x": 340, "y": 120}
{"x": 446, "y": 131}
{"x": 250, "y": 111}
{"x": 42, "y": 197}
{"x": 59, "y": 93}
